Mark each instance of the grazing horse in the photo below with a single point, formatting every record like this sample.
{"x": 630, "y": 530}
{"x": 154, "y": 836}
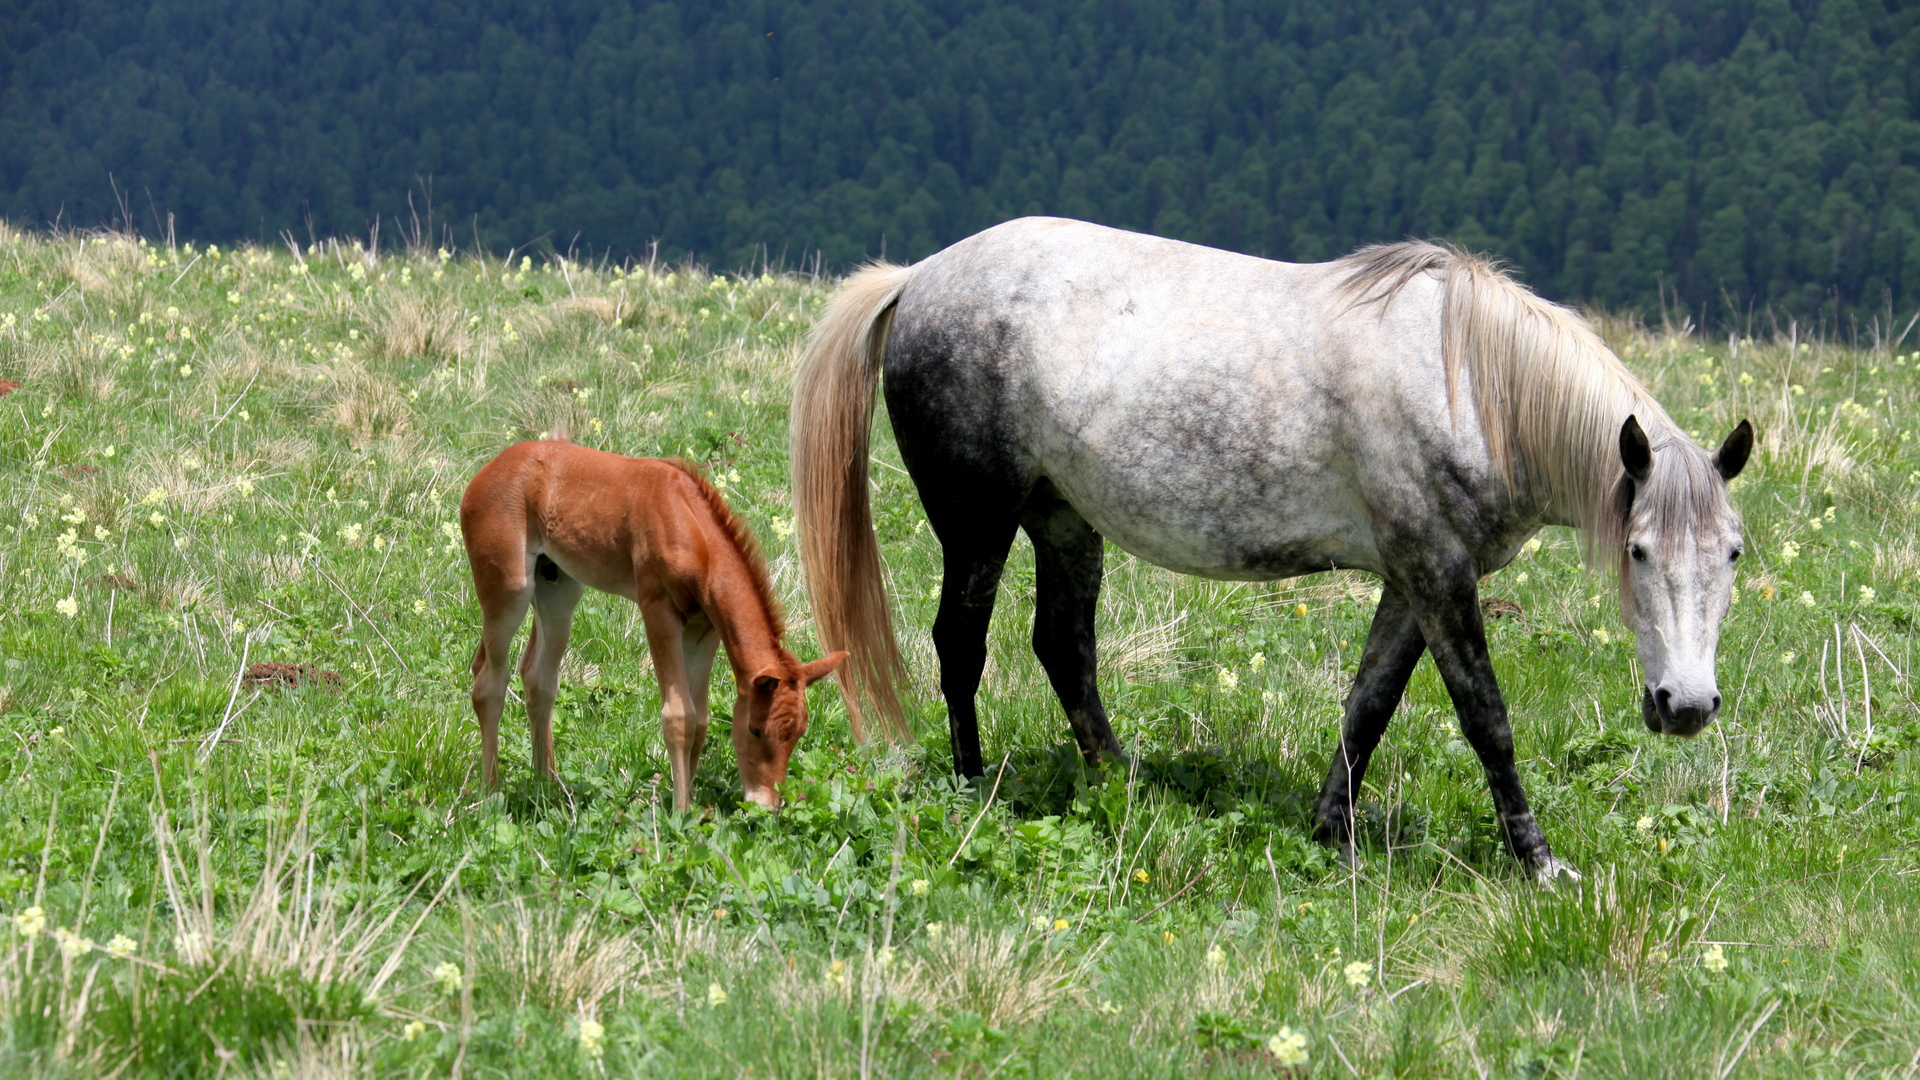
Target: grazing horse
{"x": 1407, "y": 410}
{"x": 546, "y": 519}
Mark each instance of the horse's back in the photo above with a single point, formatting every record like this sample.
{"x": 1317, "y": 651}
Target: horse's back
{"x": 598, "y": 516}
{"x": 1212, "y": 412}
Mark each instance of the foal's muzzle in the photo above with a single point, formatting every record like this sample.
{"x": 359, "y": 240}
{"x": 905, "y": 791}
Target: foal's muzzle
{"x": 1667, "y": 714}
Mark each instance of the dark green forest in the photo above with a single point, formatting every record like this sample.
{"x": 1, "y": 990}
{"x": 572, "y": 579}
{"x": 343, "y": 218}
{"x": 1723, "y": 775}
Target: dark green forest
{"x": 1730, "y": 159}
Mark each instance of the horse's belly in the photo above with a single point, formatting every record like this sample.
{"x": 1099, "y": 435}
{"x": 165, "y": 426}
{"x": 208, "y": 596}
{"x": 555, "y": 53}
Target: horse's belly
{"x": 1225, "y": 531}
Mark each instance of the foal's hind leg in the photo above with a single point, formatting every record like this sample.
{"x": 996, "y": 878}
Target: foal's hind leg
{"x": 1393, "y": 648}
{"x": 1068, "y": 554}
{"x": 554, "y": 597}
{"x": 500, "y": 581}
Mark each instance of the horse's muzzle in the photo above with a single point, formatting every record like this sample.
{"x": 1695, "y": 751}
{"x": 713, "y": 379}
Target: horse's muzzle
{"x": 1665, "y": 716}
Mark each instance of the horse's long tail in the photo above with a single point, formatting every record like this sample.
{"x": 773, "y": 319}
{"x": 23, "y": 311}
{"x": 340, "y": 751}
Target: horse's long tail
{"x": 832, "y": 418}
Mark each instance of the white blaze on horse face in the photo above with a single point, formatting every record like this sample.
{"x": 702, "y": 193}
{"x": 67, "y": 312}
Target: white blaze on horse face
{"x": 1676, "y": 591}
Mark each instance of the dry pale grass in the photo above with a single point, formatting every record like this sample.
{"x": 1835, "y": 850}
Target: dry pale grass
{"x": 79, "y": 367}
{"x": 599, "y": 308}
{"x": 1898, "y": 561}
{"x": 1146, "y": 624}
{"x": 291, "y": 922}
{"x": 1007, "y": 979}
{"x": 420, "y": 328}
{"x": 566, "y": 961}
{"x": 316, "y": 1052}
{"x": 365, "y": 404}
{"x": 102, "y": 262}
{"x": 182, "y": 479}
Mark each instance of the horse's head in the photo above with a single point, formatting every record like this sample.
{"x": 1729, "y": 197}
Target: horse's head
{"x": 1682, "y": 538}
{"x": 768, "y": 719}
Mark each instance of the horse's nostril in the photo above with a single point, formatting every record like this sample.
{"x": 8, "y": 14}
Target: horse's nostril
{"x": 1663, "y": 699}
{"x": 1716, "y": 703}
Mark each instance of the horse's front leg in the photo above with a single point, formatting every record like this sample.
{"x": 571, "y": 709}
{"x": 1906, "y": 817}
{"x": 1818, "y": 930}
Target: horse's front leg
{"x": 1446, "y": 605}
{"x": 1394, "y": 645}
{"x": 682, "y": 722}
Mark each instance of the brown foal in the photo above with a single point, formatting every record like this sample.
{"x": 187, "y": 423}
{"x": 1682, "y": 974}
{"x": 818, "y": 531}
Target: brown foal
{"x": 544, "y": 520}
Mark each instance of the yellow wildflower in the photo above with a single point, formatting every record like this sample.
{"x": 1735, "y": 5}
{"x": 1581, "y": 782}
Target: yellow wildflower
{"x": 1288, "y": 1047}
{"x": 1714, "y": 959}
{"x": 31, "y": 921}
{"x": 591, "y": 1034}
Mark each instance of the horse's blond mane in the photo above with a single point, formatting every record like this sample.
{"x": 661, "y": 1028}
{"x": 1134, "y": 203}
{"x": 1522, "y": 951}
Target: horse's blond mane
{"x": 741, "y": 537}
{"x": 1549, "y": 394}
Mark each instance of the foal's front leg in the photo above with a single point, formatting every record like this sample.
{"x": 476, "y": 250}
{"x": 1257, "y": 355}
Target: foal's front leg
{"x": 698, "y": 644}
{"x": 684, "y": 724}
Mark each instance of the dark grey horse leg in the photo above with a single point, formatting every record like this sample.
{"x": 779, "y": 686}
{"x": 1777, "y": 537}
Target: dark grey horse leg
{"x": 973, "y": 556}
{"x": 1068, "y": 556}
{"x": 1393, "y": 649}
{"x": 1448, "y": 610}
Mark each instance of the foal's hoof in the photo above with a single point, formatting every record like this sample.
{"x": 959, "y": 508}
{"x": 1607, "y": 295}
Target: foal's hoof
{"x": 1548, "y": 870}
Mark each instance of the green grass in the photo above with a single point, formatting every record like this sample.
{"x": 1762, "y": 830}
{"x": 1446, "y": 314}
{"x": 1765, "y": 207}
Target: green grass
{"x": 253, "y": 454}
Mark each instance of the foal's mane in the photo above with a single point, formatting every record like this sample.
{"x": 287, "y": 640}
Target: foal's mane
{"x": 1549, "y": 394}
{"x": 741, "y": 537}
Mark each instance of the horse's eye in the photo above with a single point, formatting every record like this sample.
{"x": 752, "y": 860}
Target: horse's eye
{"x": 754, "y": 731}
{"x": 1639, "y": 553}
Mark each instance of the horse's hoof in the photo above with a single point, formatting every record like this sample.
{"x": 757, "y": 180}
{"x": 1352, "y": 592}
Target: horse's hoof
{"x": 1343, "y": 854}
{"x": 1548, "y": 870}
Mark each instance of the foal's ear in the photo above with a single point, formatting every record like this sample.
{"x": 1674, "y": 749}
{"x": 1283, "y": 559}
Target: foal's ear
{"x": 1732, "y": 455}
{"x": 767, "y": 679}
{"x": 1635, "y": 453}
{"x": 821, "y": 668}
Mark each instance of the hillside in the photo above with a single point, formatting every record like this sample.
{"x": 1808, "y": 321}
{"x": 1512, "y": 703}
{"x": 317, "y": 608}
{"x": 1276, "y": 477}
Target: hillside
{"x": 212, "y": 459}
{"x": 1718, "y": 158}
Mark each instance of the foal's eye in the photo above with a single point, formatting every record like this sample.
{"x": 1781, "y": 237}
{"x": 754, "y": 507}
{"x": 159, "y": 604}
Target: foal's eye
{"x": 755, "y": 732}
{"x": 1639, "y": 553}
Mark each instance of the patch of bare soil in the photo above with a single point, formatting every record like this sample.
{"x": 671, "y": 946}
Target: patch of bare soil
{"x": 275, "y": 673}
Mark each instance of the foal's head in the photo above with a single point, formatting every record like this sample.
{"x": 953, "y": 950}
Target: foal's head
{"x": 1682, "y": 538}
{"x": 769, "y": 717}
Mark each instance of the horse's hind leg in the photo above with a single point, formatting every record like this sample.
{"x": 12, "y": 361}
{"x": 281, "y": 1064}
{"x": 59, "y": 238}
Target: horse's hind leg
{"x": 1393, "y": 648}
{"x": 973, "y": 552}
{"x": 1068, "y": 555}
{"x": 555, "y": 595}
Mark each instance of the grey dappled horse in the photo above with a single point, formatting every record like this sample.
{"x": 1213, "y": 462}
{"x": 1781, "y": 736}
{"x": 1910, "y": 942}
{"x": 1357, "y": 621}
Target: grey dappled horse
{"x": 1407, "y": 410}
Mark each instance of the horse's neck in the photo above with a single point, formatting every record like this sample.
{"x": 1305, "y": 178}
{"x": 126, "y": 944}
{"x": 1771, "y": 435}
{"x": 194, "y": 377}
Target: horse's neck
{"x": 730, "y": 598}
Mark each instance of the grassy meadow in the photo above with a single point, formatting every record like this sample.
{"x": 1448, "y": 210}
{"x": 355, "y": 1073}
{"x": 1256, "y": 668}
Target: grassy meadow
{"x": 212, "y": 459}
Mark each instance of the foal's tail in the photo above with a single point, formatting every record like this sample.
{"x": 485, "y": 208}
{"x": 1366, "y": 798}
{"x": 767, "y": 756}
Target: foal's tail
{"x": 832, "y": 417}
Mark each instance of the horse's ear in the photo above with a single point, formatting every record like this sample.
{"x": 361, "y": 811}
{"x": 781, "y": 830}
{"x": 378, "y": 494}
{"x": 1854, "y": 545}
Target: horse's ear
{"x": 767, "y": 679}
{"x": 821, "y": 668}
{"x": 1732, "y": 455}
{"x": 1635, "y": 454}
